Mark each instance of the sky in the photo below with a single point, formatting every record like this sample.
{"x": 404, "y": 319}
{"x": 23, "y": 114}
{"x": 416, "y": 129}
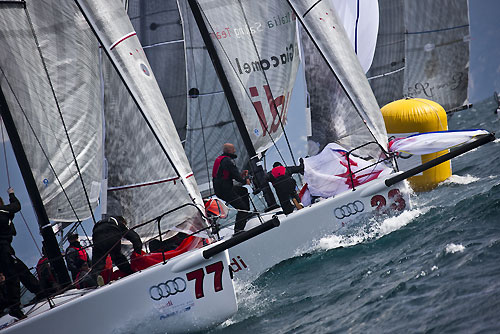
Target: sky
{"x": 484, "y": 79}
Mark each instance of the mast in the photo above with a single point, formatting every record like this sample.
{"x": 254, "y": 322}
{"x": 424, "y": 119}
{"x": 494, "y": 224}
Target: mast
{"x": 49, "y": 239}
{"x": 255, "y": 166}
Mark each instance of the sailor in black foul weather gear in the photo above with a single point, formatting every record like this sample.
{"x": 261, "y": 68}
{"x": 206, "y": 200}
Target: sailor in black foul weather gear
{"x": 223, "y": 173}
{"x": 284, "y": 184}
{"x": 76, "y": 256}
{"x": 107, "y": 235}
{"x": 10, "y": 265}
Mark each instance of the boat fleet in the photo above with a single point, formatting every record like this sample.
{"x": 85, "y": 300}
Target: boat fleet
{"x": 124, "y": 108}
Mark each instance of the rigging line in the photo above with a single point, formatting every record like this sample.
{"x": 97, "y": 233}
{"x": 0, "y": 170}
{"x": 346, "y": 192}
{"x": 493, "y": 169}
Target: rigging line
{"x": 243, "y": 85}
{"x": 360, "y": 114}
{"x": 59, "y": 111}
{"x": 5, "y": 153}
{"x": 31, "y": 234}
{"x": 39, "y": 143}
{"x": 198, "y": 102}
{"x": 270, "y": 91}
{"x": 8, "y": 181}
{"x": 356, "y": 29}
{"x": 436, "y": 30}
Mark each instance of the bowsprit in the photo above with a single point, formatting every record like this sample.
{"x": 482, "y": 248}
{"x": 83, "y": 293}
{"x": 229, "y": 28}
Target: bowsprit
{"x": 349, "y": 209}
{"x": 167, "y": 289}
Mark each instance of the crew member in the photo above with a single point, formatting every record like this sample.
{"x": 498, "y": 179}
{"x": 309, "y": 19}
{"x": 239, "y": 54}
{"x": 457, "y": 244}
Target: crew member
{"x": 285, "y": 185}
{"x": 7, "y": 255}
{"x": 223, "y": 174}
{"x": 107, "y": 235}
{"x": 46, "y": 276}
{"x": 76, "y": 255}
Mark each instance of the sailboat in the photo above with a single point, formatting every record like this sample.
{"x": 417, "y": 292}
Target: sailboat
{"x": 58, "y": 92}
{"x": 422, "y": 52}
{"x": 239, "y": 37}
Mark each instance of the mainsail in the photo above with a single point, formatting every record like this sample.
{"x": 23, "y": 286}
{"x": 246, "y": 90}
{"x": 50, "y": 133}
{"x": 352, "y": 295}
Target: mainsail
{"x": 163, "y": 27}
{"x": 386, "y": 75}
{"x": 159, "y": 28}
{"x": 148, "y": 173}
{"x": 50, "y": 79}
{"x": 343, "y": 107}
{"x": 422, "y": 51}
{"x": 257, "y": 47}
{"x": 437, "y": 51}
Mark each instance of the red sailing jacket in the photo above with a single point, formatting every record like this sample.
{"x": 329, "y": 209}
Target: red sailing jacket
{"x": 82, "y": 254}
{"x": 225, "y": 173}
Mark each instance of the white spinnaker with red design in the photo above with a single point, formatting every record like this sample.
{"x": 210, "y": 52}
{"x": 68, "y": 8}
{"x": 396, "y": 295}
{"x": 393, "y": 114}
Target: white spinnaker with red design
{"x": 256, "y": 42}
{"x": 432, "y": 142}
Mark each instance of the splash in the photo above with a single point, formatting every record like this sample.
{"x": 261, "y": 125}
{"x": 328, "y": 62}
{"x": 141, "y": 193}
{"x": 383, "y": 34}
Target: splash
{"x": 458, "y": 179}
{"x": 452, "y": 248}
{"x": 375, "y": 230}
{"x": 251, "y": 302}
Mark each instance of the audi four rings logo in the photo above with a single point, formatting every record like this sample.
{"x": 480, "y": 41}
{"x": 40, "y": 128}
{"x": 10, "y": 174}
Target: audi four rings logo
{"x": 349, "y": 209}
{"x": 167, "y": 289}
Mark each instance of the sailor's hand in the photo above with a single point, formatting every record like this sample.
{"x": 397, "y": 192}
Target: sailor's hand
{"x": 248, "y": 181}
{"x": 10, "y": 190}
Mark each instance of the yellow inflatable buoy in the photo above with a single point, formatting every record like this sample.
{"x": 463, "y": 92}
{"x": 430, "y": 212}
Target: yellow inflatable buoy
{"x": 409, "y": 116}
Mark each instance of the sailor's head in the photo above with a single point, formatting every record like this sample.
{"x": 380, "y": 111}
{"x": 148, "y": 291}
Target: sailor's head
{"x": 228, "y": 148}
{"x": 72, "y": 237}
{"x": 1, "y": 201}
{"x": 276, "y": 164}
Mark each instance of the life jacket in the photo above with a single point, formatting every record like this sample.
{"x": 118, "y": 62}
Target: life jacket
{"x": 278, "y": 171}
{"x": 39, "y": 266}
{"x": 82, "y": 254}
{"x": 215, "y": 171}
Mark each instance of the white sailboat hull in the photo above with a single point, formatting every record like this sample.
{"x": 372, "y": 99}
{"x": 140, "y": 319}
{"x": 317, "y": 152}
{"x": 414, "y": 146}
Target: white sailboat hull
{"x": 135, "y": 304}
{"x": 301, "y": 230}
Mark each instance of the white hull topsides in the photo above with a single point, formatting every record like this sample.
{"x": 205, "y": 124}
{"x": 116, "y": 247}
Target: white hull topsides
{"x": 301, "y": 230}
{"x": 176, "y": 297}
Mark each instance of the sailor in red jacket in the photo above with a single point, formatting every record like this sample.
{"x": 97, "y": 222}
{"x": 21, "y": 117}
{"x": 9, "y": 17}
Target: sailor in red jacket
{"x": 223, "y": 173}
{"x": 284, "y": 184}
{"x": 76, "y": 255}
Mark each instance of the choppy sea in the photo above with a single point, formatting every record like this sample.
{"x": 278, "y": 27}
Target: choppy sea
{"x": 432, "y": 269}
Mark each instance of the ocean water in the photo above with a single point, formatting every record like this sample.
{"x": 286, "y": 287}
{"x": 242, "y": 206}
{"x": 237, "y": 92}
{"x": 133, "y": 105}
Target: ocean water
{"x": 432, "y": 269}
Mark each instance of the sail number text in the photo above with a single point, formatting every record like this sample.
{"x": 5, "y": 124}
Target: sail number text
{"x": 199, "y": 274}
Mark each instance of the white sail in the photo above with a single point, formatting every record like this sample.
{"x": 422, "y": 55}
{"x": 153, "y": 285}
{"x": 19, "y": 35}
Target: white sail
{"x": 422, "y": 51}
{"x": 50, "y": 78}
{"x": 386, "y": 74}
{"x": 196, "y": 101}
{"x": 148, "y": 171}
{"x": 358, "y": 120}
{"x": 257, "y": 45}
{"x": 360, "y": 20}
{"x": 437, "y": 51}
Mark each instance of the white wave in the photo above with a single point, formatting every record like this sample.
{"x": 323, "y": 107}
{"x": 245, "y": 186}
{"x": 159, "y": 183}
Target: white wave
{"x": 497, "y": 140}
{"x": 458, "y": 179}
{"x": 251, "y": 302}
{"x": 452, "y": 248}
{"x": 376, "y": 230}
